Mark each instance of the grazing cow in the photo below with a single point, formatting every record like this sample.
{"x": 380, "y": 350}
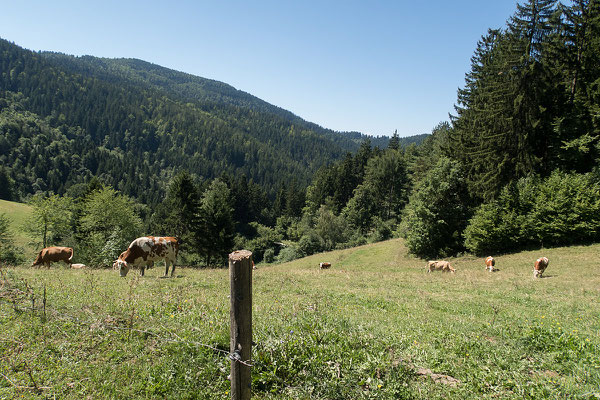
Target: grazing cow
{"x": 324, "y": 265}
{"x": 490, "y": 263}
{"x": 443, "y": 266}
{"x": 53, "y": 254}
{"x": 540, "y": 266}
{"x": 144, "y": 251}
{"x": 78, "y": 266}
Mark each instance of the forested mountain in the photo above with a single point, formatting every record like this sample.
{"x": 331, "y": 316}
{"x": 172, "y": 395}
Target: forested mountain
{"x": 519, "y": 165}
{"x": 64, "y": 119}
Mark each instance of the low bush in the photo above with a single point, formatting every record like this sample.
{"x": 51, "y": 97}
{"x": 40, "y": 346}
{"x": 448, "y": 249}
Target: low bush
{"x": 562, "y": 209}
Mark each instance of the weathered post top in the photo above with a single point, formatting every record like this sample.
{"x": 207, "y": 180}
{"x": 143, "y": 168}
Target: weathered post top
{"x": 240, "y": 255}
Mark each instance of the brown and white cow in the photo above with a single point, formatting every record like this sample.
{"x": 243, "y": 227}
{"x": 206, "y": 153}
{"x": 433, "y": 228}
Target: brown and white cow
{"x": 54, "y": 254}
{"x": 324, "y": 265}
{"x": 144, "y": 251}
{"x": 443, "y": 266}
{"x": 540, "y": 266}
{"x": 489, "y": 264}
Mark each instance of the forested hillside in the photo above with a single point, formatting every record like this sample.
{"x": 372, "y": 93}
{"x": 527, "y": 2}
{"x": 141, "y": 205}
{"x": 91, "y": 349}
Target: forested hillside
{"x": 64, "y": 119}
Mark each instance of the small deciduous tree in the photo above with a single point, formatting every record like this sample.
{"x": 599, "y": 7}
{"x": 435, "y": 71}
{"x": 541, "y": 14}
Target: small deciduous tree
{"x": 50, "y": 221}
{"x": 109, "y": 223}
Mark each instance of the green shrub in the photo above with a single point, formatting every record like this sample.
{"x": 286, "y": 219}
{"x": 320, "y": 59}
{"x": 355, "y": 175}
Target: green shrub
{"x": 382, "y": 230}
{"x": 287, "y": 254}
{"x": 269, "y": 255}
{"x": 562, "y": 209}
{"x": 437, "y": 212}
{"x": 263, "y": 241}
{"x": 310, "y": 243}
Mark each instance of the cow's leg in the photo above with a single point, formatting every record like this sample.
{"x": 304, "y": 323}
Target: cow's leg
{"x": 142, "y": 269}
{"x": 173, "y": 269}
{"x": 167, "y": 268}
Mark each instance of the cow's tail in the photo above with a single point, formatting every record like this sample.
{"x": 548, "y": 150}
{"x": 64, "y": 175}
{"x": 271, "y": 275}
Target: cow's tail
{"x": 70, "y": 258}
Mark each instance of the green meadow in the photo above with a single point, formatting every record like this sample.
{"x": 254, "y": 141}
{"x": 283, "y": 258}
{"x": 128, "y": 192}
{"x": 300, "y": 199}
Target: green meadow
{"x": 374, "y": 326}
{"x": 17, "y": 213}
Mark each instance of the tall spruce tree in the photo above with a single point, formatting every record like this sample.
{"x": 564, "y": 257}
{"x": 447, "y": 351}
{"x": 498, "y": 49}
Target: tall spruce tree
{"x": 177, "y": 215}
{"x": 216, "y": 229}
{"x": 503, "y": 127}
{"x": 577, "y": 62}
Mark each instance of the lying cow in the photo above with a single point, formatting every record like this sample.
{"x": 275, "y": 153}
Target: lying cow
{"x": 78, "y": 266}
{"x": 489, "y": 264}
{"x": 144, "y": 251}
{"x": 324, "y": 265}
{"x": 54, "y": 254}
{"x": 443, "y": 266}
{"x": 540, "y": 266}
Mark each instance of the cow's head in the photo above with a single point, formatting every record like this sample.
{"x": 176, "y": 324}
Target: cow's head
{"x": 122, "y": 266}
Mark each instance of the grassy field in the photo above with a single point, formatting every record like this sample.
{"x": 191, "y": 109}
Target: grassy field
{"x": 17, "y": 213}
{"x": 374, "y": 326}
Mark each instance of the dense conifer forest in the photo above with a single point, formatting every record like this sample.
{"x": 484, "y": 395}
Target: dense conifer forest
{"x": 517, "y": 165}
{"x": 135, "y": 125}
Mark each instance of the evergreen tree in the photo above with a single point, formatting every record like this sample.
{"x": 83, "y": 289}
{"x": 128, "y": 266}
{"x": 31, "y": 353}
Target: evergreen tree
{"x": 6, "y": 185}
{"x": 178, "y": 214}
{"x": 576, "y": 60}
{"x": 216, "y": 229}
{"x": 505, "y": 113}
{"x": 394, "y": 142}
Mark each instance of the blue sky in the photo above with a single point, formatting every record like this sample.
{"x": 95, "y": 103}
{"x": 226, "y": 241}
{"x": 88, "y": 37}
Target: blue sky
{"x": 369, "y": 66}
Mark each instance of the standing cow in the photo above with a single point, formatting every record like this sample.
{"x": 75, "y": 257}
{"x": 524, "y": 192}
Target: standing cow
{"x": 144, "y": 251}
{"x": 54, "y": 254}
{"x": 443, "y": 266}
{"x": 489, "y": 264}
{"x": 540, "y": 266}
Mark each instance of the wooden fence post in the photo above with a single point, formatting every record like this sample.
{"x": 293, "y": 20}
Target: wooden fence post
{"x": 240, "y": 315}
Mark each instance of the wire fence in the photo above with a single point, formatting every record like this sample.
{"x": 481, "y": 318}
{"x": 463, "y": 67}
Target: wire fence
{"x": 21, "y": 297}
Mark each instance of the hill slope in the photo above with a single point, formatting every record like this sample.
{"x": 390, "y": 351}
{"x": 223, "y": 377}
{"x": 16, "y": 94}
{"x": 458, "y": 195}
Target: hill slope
{"x": 134, "y": 124}
{"x": 17, "y": 213}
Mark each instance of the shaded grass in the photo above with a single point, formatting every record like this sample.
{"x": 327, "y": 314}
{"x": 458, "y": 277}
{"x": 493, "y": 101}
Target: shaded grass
{"x": 366, "y": 328}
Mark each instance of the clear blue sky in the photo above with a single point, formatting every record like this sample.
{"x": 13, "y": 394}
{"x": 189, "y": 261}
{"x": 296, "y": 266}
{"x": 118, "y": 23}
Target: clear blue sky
{"x": 369, "y": 66}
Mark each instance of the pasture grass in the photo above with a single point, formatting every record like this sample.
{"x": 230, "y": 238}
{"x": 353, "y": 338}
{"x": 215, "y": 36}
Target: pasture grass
{"x": 374, "y": 326}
